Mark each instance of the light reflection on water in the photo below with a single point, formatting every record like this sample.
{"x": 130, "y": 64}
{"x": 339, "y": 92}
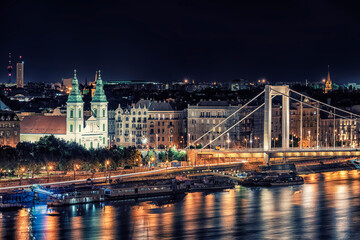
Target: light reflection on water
{"x": 326, "y": 207}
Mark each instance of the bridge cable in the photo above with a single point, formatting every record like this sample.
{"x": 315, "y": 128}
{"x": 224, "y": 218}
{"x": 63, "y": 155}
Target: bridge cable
{"x": 225, "y": 119}
{"x": 325, "y": 104}
{"x": 318, "y": 108}
{"x": 235, "y": 124}
{"x": 309, "y": 105}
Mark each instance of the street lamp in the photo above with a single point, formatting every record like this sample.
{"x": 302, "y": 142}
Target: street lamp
{"x": 22, "y": 172}
{"x": 251, "y": 140}
{"x": 228, "y": 140}
{"x": 50, "y": 168}
{"x": 107, "y": 163}
{"x": 76, "y": 167}
{"x": 152, "y": 159}
{"x": 144, "y": 141}
{"x": 157, "y": 141}
{"x": 188, "y": 139}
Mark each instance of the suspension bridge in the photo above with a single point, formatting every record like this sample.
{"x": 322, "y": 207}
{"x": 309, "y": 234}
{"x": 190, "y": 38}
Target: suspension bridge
{"x": 328, "y": 136}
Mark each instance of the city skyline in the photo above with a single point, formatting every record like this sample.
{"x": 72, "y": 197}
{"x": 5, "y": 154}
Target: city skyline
{"x": 169, "y": 41}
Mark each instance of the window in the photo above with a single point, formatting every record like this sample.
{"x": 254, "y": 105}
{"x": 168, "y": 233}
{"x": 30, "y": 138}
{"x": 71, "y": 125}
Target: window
{"x": 103, "y": 112}
{"x": 104, "y": 127}
{"x": 79, "y": 127}
{"x": 71, "y": 128}
{"x": 95, "y": 112}
{"x": 103, "y": 140}
{"x": 91, "y": 144}
{"x": 79, "y": 113}
{"x": 71, "y": 113}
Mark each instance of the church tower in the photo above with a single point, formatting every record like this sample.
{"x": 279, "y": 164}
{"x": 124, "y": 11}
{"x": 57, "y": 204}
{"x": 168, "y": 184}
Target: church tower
{"x": 99, "y": 108}
{"x": 74, "y": 113}
{"x": 328, "y": 83}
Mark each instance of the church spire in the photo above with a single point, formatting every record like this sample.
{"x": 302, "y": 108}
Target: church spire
{"x": 75, "y": 95}
{"x": 99, "y": 95}
{"x": 328, "y": 83}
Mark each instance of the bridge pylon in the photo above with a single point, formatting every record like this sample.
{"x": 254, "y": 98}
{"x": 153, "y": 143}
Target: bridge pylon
{"x": 271, "y": 91}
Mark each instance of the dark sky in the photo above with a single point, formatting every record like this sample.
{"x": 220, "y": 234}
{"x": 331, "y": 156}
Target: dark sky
{"x": 169, "y": 40}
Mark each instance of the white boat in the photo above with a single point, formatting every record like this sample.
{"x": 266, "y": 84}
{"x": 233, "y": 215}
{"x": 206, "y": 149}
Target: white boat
{"x": 77, "y": 197}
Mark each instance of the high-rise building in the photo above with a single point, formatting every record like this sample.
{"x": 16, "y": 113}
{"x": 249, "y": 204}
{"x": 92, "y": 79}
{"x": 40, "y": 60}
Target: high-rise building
{"x": 9, "y": 68}
{"x": 20, "y": 73}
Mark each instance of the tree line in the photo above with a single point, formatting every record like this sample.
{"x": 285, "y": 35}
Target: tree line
{"x": 51, "y": 153}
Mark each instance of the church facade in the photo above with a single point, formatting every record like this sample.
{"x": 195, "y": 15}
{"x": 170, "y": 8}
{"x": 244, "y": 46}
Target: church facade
{"x": 90, "y": 133}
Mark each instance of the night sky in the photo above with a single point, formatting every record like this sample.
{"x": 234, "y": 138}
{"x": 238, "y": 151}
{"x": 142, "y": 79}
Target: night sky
{"x": 170, "y": 40}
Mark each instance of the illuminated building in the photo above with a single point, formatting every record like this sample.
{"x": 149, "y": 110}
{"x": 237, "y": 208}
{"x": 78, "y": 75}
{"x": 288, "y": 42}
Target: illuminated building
{"x": 20, "y": 73}
{"x": 9, "y": 128}
{"x": 328, "y": 83}
{"x": 131, "y": 124}
{"x": 92, "y": 133}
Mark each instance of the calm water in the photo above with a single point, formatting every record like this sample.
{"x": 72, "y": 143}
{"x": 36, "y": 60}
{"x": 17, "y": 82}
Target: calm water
{"x": 326, "y": 207}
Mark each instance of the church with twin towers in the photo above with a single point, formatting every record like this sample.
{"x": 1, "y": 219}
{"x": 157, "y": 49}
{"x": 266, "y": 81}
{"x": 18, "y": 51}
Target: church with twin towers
{"x": 92, "y": 133}
{"x": 74, "y": 127}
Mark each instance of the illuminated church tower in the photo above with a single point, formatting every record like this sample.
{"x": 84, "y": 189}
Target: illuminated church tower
{"x": 328, "y": 83}
{"x": 74, "y": 111}
{"x": 99, "y": 108}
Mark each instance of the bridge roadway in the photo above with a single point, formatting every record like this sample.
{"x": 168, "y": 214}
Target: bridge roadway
{"x": 279, "y": 152}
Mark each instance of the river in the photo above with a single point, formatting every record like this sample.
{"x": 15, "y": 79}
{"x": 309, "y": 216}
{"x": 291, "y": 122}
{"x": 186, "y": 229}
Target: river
{"x": 326, "y": 207}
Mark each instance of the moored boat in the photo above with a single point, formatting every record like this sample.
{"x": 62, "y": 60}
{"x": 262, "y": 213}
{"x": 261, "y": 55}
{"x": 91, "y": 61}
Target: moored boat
{"x": 273, "y": 179}
{"x": 76, "y": 197}
{"x": 10, "y": 206}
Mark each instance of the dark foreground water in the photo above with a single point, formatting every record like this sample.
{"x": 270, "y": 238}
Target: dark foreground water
{"x": 326, "y": 207}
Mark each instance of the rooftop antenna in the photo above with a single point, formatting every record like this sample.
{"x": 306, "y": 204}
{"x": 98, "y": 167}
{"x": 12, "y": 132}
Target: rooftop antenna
{"x": 9, "y": 68}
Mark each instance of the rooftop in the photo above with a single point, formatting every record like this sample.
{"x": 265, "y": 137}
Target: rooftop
{"x": 43, "y": 125}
